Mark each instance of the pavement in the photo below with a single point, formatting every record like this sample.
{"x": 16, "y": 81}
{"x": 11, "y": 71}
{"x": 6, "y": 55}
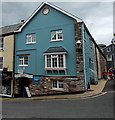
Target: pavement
{"x": 94, "y": 91}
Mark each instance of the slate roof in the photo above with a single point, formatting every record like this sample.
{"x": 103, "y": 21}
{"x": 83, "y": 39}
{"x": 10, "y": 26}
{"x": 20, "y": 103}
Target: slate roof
{"x": 55, "y": 49}
{"x": 9, "y": 29}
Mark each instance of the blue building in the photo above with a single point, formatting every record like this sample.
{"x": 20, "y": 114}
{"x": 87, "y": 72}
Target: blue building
{"x": 53, "y": 52}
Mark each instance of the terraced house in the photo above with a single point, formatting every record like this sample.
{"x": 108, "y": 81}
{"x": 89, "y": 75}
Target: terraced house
{"x": 54, "y": 53}
{"x": 7, "y": 38}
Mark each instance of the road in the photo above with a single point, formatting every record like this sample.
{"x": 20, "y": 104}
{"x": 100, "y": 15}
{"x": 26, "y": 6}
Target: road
{"x": 94, "y": 107}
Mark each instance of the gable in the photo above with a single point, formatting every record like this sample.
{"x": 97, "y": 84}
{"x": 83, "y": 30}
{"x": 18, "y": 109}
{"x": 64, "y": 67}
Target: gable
{"x": 51, "y": 6}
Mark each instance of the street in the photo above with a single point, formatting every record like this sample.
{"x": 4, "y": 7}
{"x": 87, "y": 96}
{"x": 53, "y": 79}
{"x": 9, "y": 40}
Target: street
{"x": 95, "y": 107}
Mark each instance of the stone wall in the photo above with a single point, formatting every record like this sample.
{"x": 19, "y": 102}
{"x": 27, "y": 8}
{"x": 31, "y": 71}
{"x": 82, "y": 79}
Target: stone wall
{"x": 45, "y": 86}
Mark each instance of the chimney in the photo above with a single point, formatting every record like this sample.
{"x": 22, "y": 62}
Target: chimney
{"x": 22, "y": 21}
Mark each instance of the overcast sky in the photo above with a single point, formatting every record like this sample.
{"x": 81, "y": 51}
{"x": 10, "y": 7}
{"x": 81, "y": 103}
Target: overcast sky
{"x": 98, "y": 16}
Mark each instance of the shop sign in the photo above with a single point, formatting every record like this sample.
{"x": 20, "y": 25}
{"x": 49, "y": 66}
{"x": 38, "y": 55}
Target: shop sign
{"x": 23, "y": 75}
{"x": 6, "y": 75}
{"x": 36, "y": 79}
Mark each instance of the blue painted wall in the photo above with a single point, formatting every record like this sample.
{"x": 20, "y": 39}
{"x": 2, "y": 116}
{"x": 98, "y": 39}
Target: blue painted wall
{"x": 88, "y": 53}
{"x": 42, "y": 25}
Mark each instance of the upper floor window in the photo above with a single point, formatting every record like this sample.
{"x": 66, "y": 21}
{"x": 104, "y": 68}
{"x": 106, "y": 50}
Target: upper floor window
{"x": 23, "y": 60}
{"x": 1, "y": 43}
{"x": 30, "y": 38}
{"x": 56, "y": 35}
{"x": 109, "y": 57}
{"x": 109, "y": 49}
{"x": 55, "y": 61}
{"x": 1, "y": 63}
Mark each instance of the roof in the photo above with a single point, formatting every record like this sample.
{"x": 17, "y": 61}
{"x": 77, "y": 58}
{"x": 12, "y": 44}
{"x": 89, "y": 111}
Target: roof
{"x": 55, "y": 50}
{"x": 9, "y": 29}
{"x": 108, "y": 46}
{"x": 53, "y": 6}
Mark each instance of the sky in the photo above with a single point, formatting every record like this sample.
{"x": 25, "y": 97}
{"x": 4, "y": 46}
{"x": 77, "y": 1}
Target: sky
{"x": 98, "y": 16}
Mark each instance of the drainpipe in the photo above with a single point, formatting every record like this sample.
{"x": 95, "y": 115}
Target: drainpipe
{"x": 85, "y": 82}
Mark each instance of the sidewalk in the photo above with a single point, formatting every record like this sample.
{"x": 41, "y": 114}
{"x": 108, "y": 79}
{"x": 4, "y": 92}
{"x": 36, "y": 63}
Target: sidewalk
{"x": 95, "y": 90}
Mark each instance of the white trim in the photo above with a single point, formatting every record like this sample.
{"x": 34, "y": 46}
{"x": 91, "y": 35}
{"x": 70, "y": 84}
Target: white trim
{"x": 51, "y": 68}
{"x": 5, "y": 95}
{"x": 57, "y": 81}
{"x": 27, "y": 43}
{"x": 55, "y": 68}
{"x": 51, "y": 5}
{"x": 23, "y": 65}
{"x": 56, "y": 53}
{"x": 109, "y": 57}
{"x": 56, "y": 40}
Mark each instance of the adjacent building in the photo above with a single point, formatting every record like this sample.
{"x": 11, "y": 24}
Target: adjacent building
{"x": 7, "y": 59}
{"x": 55, "y": 53}
{"x": 109, "y": 52}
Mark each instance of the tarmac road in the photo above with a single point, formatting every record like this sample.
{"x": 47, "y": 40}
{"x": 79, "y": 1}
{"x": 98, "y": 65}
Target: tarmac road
{"x": 94, "y": 107}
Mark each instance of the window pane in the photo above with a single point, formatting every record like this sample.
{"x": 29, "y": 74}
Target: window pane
{"x": 54, "y": 62}
{"x": 54, "y": 83}
{"x": 59, "y": 34}
{"x": 26, "y": 60}
{"x": 49, "y": 61}
{"x": 30, "y": 38}
{"x": 53, "y": 35}
{"x": 61, "y": 61}
{"x": 60, "y": 83}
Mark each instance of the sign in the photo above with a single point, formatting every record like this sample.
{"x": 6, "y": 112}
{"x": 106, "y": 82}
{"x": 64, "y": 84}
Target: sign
{"x": 28, "y": 91}
{"x": 36, "y": 79}
{"x": 23, "y": 75}
{"x": 20, "y": 71}
{"x": 6, "y": 75}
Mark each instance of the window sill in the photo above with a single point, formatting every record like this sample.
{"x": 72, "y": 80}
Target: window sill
{"x": 55, "y": 68}
{"x": 30, "y": 43}
{"x": 57, "y": 89}
{"x": 56, "y": 40}
{"x": 23, "y": 65}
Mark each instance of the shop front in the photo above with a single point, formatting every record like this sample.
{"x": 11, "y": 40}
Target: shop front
{"x": 6, "y": 88}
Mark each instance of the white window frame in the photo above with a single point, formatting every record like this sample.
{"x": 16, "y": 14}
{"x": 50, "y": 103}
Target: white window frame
{"x": 1, "y": 43}
{"x": 55, "y": 55}
{"x": 2, "y": 62}
{"x": 31, "y": 37}
{"x": 56, "y": 33}
{"x": 58, "y": 83}
{"x": 109, "y": 58}
{"x": 22, "y": 60}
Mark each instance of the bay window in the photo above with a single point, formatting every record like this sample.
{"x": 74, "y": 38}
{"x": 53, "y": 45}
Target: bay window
{"x": 55, "y": 61}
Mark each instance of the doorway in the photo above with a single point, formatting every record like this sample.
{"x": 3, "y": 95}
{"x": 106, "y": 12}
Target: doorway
{"x": 23, "y": 82}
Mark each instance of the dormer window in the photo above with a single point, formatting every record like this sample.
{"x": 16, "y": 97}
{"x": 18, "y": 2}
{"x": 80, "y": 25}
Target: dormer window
{"x": 56, "y": 35}
{"x": 30, "y": 38}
